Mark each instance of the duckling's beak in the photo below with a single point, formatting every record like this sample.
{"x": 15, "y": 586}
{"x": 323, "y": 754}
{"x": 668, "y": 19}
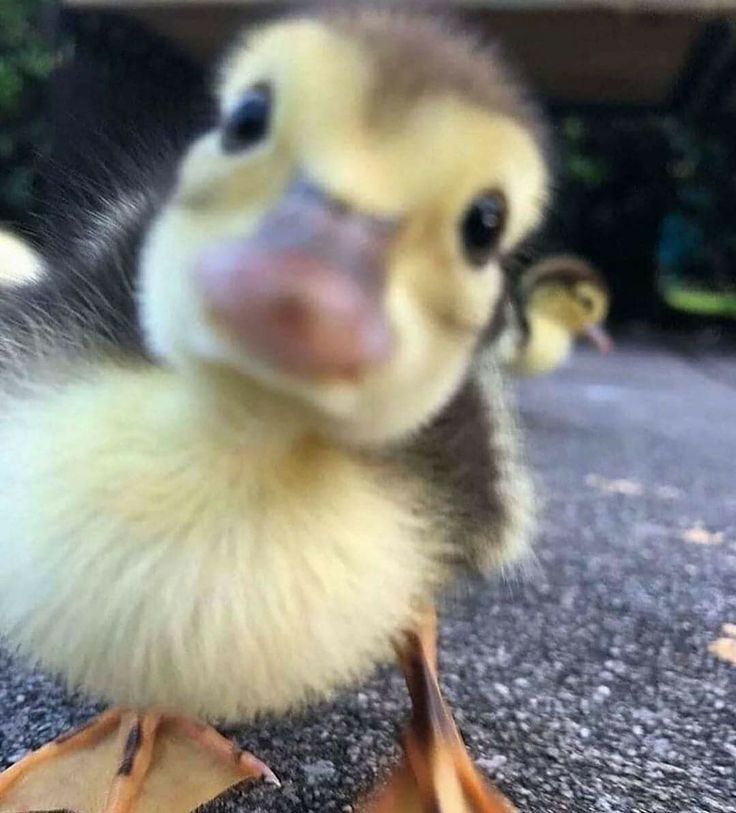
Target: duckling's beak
{"x": 305, "y": 291}
{"x": 598, "y": 337}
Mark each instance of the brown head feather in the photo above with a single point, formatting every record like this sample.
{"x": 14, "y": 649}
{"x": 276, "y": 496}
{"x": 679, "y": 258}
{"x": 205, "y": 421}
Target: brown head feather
{"x": 418, "y": 53}
{"x": 564, "y": 269}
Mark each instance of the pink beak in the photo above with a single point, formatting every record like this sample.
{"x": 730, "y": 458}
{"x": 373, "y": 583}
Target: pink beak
{"x": 599, "y": 338}
{"x": 304, "y": 292}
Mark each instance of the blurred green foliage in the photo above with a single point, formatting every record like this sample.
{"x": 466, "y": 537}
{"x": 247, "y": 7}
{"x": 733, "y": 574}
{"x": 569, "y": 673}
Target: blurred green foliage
{"x": 698, "y": 238}
{"x": 26, "y": 60}
{"x": 650, "y": 199}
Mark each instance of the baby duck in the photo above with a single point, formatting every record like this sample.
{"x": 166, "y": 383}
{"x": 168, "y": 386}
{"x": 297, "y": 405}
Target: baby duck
{"x": 19, "y": 263}
{"x": 240, "y": 463}
{"x": 558, "y": 300}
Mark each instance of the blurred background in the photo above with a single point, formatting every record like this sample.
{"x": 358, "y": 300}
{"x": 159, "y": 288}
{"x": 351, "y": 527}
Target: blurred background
{"x": 642, "y": 94}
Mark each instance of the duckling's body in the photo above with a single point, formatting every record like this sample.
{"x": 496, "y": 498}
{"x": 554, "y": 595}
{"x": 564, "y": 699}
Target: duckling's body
{"x": 561, "y": 299}
{"x": 208, "y": 518}
{"x": 250, "y": 540}
{"x": 249, "y": 547}
{"x": 547, "y": 345}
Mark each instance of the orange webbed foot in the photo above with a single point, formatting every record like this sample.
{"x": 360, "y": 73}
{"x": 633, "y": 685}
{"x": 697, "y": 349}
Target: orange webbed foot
{"x": 437, "y": 774}
{"x": 126, "y": 762}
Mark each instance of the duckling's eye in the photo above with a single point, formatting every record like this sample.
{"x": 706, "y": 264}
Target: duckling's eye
{"x": 586, "y": 302}
{"x": 249, "y": 123}
{"x": 482, "y": 226}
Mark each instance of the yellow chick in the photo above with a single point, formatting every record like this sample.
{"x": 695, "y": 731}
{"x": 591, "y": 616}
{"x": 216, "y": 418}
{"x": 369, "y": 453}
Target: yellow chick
{"x": 561, "y": 298}
{"x": 239, "y": 467}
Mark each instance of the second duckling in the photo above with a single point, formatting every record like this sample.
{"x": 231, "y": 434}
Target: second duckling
{"x": 558, "y": 300}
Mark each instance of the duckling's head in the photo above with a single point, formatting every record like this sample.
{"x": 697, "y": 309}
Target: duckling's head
{"x": 567, "y": 290}
{"x": 335, "y": 240}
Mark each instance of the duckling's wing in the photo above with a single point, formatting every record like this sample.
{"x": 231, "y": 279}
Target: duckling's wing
{"x": 478, "y": 497}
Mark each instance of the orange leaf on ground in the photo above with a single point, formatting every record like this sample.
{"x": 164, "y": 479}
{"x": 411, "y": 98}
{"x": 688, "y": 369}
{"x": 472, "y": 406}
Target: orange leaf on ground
{"x": 700, "y": 535}
{"x": 724, "y": 649}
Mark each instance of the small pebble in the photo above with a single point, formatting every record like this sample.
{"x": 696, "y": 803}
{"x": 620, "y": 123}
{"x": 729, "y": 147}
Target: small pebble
{"x": 319, "y": 771}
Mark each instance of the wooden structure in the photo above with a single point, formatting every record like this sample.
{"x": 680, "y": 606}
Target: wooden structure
{"x": 643, "y": 53}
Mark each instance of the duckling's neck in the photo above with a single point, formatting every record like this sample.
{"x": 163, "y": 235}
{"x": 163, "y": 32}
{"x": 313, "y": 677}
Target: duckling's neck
{"x": 238, "y": 411}
{"x": 548, "y": 345}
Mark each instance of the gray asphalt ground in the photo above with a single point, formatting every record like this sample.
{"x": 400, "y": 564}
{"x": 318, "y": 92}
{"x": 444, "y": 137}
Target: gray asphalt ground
{"x": 584, "y": 683}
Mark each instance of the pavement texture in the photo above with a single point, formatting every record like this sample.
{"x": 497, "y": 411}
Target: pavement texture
{"x": 585, "y": 682}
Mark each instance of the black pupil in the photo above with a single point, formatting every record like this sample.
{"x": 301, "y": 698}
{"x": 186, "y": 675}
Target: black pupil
{"x": 482, "y": 227}
{"x": 587, "y": 302}
{"x": 249, "y": 122}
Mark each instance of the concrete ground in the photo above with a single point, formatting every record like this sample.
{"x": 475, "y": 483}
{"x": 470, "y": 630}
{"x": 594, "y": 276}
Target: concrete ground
{"x": 585, "y": 683}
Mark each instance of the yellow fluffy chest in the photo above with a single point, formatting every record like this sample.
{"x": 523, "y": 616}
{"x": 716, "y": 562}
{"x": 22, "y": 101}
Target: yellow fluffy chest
{"x": 160, "y": 564}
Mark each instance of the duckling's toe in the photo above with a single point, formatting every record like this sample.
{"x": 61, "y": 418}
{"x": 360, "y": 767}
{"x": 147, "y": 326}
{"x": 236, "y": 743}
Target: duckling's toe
{"x": 438, "y": 780}
{"x": 127, "y": 786}
{"x": 156, "y": 763}
{"x": 249, "y": 766}
{"x": 437, "y": 774}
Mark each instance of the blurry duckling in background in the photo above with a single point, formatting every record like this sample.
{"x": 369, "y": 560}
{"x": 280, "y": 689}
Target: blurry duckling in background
{"x": 558, "y": 300}
{"x": 242, "y": 462}
{"x": 19, "y": 263}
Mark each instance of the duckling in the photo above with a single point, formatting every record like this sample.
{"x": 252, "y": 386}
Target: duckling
{"x": 559, "y": 299}
{"x": 242, "y": 462}
{"x": 19, "y": 263}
